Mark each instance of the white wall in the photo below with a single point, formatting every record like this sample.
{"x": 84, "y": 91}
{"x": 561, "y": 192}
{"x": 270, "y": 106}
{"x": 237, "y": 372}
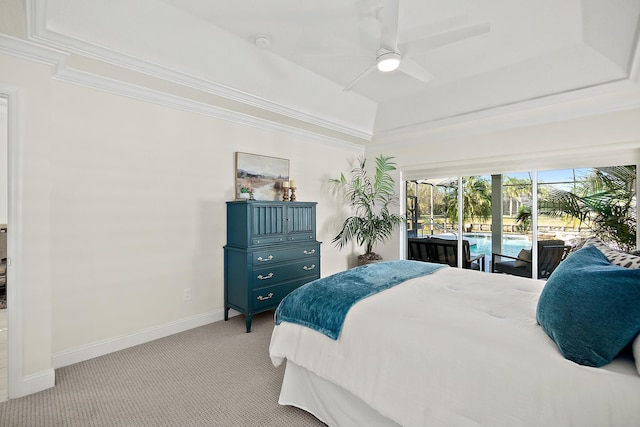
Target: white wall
{"x": 124, "y": 208}
{"x": 138, "y": 209}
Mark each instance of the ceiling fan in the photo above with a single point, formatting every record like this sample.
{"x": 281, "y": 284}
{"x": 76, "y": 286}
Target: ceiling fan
{"x": 394, "y": 55}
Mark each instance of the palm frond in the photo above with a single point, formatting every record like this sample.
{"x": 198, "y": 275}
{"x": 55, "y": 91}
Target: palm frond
{"x": 371, "y": 222}
{"x": 605, "y": 202}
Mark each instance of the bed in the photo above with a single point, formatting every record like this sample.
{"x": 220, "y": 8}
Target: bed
{"x": 454, "y": 347}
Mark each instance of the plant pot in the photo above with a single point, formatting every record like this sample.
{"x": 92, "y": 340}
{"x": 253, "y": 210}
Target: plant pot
{"x": 369, "y": 258}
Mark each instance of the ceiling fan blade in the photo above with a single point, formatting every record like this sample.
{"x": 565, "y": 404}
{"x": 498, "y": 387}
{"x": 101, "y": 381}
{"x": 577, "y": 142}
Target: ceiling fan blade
{"x": 389, "y": 20}
{"x": 360, "y": 77}
{"x": 422, "y": 46}
{"x": 428, "y": 29}
{"x": 413, "y": 69}
{"x": 336, "y": 53}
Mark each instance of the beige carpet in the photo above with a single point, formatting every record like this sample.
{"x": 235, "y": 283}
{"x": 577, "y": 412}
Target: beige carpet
{"x": 215, "y": 375}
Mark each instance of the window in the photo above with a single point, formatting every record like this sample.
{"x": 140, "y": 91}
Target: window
{"x": 571, "y": 205}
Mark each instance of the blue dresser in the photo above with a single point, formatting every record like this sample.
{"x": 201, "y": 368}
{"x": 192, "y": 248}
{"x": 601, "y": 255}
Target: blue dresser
{"x": 271, "y": 250}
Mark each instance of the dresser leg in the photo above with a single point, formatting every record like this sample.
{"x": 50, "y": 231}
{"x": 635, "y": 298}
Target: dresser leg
{"x": 247, "y": 320}
{"x": 226, "y": 314}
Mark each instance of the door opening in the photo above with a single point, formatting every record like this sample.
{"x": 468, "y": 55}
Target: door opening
{"x": 4, "y": 187}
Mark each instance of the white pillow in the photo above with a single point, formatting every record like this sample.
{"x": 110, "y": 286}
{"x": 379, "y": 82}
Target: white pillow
{"x": 524, "y": 254}
{"x": 619, "y": 258}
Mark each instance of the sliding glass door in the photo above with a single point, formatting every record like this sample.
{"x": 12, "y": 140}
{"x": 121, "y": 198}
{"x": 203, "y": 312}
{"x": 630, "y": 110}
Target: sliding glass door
{"x": 528, "y": 222}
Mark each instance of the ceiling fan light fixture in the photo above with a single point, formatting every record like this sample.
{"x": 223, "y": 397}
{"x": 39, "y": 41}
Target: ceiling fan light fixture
{"x": 388, "y": 61}
{"x": 263, "y": 41}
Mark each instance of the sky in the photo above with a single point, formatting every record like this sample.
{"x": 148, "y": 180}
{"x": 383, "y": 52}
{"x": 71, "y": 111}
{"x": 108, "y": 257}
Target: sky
{"x": 560, "y": 175}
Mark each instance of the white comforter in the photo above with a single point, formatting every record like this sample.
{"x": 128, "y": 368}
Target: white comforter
{"x": 462, "y": 348}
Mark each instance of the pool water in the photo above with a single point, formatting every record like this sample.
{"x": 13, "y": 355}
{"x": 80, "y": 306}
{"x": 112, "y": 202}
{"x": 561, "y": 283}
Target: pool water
{"x": 511, "y": 245}
{"x": 481, "y": 244}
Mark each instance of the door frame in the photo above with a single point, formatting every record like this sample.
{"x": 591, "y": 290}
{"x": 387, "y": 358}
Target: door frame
{"x": 15, "y": 129}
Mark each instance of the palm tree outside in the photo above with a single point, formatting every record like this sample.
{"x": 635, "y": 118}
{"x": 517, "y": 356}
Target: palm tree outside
{"x": 476, "y": 200}
{"x": 514, "y": 189}
{"x": 604, "y": 202}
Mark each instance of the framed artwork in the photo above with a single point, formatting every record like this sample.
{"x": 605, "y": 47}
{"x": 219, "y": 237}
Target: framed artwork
{"x": 260, "y": 177}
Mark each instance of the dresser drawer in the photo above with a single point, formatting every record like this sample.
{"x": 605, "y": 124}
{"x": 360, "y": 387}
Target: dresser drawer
{"x": 270, "y": 296}
{"x": 272, "y": 256}
{"x": 268, "y": 275}
{"x": 268, "y": 240}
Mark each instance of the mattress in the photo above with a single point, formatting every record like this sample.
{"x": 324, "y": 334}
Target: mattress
{"x": 461, "y": 348}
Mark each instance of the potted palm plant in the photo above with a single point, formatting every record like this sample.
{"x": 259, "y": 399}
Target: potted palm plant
{"x": 370, "y": 200}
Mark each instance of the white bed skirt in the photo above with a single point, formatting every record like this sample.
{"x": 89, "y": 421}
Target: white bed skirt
{"x": 326, "y": 401}
{"x": 454, "y": 348}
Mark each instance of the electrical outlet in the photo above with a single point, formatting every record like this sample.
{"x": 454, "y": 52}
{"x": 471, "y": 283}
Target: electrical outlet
{"x": 186, "y": 294}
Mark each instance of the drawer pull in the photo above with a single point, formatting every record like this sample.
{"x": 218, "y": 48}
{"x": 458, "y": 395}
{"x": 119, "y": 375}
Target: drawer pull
{"x": 269, "y": 258}
{"x": 313, "y": 266}
{"x": 311, "y": 252}
{"x": 261, "y": 298}
{"x": 268, "y": 276}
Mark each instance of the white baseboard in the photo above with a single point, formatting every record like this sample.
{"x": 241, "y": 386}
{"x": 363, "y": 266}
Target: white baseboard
{"x": 100, "y": 348}
{"x": 33, "y": 383}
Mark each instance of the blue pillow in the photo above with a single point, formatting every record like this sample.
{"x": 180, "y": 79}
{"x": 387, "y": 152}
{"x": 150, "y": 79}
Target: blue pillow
{"x": 590, "y": 307}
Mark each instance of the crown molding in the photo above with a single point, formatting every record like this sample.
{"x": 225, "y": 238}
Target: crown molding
{"x": 32, "y": 51}
{"x": 162, "y": 98}
{"x": 634, "y": 68}
{"x": 624, "y": 152}
{"x": 517, "y": 114}
{"x": 38, "y": 33}
{"x": 58, "y": 60}
{"x": 523, "y": 113}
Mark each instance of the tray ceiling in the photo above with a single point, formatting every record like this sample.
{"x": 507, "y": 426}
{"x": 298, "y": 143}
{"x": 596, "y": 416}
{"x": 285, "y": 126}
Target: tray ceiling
{"x": 482, "y": 55}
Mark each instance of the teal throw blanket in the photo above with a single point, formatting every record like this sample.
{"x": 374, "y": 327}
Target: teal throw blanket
{"x": 324, "y": 303}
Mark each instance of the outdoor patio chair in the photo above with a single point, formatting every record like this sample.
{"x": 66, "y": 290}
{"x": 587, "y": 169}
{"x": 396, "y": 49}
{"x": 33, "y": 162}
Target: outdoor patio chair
{"x": 444, "y": 251}
{"x": 550, "y": 254}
